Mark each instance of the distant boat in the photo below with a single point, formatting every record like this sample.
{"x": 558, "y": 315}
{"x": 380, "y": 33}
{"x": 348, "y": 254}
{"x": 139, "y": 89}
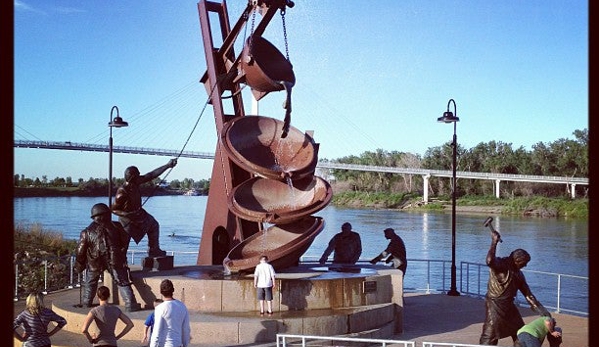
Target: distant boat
{"x": 191, "y": 192}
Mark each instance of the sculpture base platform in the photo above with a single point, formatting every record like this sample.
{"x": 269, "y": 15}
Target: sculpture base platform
{"x": 311, "y": 299}
{"x": 158, "y": 263}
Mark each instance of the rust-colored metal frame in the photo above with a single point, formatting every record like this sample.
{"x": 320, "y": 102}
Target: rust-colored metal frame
{"x": 223, "y": 230}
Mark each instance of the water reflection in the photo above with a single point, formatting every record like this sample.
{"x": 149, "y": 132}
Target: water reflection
{"x": 355, "y": 269}
{"x": 425, "y": 232}
{"x": 210, "y": 273}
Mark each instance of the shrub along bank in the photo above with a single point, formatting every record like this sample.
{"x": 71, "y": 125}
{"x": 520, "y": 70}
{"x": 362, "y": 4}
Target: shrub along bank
{"x": 525, "y": 206}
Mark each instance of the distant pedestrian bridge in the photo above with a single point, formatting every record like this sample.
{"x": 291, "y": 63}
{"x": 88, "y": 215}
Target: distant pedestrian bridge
{"x": 571, "y": 182}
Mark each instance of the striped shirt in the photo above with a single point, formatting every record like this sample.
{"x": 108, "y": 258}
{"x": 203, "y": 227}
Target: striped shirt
{"x": 36, "y": 326}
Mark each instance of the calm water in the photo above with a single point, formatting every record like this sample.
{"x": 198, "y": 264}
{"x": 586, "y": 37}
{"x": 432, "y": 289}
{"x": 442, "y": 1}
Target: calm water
{"x": 555, "y": 245}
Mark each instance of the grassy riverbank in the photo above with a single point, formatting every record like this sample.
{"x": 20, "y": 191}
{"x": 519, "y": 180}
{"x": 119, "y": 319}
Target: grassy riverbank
{"x": 524, "y": 206}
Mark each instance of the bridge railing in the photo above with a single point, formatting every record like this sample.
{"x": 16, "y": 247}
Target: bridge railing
{"x": 321, "y": 164}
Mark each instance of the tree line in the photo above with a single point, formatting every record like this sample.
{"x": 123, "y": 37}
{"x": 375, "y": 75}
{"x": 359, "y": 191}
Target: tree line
{"x": 92, "y": 184}
{"x": 563, "y": 157}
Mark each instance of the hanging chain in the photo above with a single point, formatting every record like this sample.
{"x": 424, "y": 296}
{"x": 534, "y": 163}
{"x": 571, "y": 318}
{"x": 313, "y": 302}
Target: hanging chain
{"x": 253, "y": 21}
{"x": 251, "y": 28}
{"x": 285, "y": 33}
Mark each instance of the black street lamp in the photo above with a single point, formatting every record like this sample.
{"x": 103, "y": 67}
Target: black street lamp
{"x": 449, "y": 117}
{"x": 116, "y": 122}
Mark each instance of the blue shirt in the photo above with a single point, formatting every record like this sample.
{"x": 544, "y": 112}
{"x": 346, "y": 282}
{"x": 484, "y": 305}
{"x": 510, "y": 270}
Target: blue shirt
{"x": 150, "y": 323}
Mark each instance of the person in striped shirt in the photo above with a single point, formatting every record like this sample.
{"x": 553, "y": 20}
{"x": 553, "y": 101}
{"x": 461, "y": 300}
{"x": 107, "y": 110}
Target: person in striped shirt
{"x": 33, "y": 323}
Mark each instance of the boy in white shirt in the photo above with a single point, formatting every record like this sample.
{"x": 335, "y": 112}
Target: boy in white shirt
{"x": 264, "y": 282}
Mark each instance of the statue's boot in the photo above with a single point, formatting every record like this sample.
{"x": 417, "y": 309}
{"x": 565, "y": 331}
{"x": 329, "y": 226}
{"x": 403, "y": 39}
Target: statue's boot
{"x": 154, "y": 244}
{"x": 131, "y": 304}
{"x": 89, "y": 292}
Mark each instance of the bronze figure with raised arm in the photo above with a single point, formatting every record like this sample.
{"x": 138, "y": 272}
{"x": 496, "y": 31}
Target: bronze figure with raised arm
{"x": 502, "y": 318}
{"x": 128, "y": 206}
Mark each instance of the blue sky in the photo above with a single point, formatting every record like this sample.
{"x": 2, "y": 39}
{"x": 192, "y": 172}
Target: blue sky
{"x": 368, "y": 76}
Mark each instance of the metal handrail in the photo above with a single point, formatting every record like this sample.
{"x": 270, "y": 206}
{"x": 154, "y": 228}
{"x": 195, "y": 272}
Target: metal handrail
{"x": 579, "y": 282}
{"x": 282, "y": 340}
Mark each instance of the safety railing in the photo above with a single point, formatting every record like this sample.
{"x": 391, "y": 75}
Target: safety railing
{"x": 445, "y": 344}
{"x": 284, "y": 340}
{"x": 569, "y": 294}
{"x": 430, "y": 276}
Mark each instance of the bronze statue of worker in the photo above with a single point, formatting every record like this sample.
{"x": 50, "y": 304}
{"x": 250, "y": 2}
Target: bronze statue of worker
{"x": 503, "y": 319}
{"x": 129, "y": 208}
{"x": 103, "y": 246}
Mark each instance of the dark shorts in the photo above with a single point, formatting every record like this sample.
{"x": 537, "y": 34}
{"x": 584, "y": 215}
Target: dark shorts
{"x": 264, "y": 293}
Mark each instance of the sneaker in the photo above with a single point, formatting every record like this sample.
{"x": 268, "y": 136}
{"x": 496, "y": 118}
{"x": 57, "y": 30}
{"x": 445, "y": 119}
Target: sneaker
{"x": 156, "y": 253}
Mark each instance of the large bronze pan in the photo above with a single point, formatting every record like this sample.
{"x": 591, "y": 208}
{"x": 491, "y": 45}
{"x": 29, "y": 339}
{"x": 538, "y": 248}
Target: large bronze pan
{"x": 277, "y": 202}
{"x": 283, "y": 244}
{"x": 254, "y": 143}
{"x": 264, "y": 68}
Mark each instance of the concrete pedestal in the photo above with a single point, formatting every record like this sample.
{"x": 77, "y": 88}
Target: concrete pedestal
{"x": 158, "y": 263}
{"x": 360, "y": 301}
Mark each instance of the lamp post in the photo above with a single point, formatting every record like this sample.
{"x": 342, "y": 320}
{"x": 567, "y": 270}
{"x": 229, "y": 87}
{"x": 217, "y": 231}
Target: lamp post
{"x": 449, "y": 117}
{"x": 116, "y": 122}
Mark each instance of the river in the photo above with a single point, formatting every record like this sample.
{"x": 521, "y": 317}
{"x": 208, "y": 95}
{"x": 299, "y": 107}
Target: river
{"x": 555, "y": 245}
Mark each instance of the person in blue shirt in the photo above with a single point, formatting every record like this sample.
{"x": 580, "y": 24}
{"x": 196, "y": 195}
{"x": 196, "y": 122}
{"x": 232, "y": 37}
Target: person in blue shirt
{"x": 149, "y": 324}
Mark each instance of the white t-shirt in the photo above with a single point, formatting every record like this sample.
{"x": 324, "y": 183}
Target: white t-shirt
{"x": 171, "y": 325}
{"x": 264, "y": 273}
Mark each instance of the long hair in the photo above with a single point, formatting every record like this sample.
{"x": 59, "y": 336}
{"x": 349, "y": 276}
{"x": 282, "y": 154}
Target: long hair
{"x": 35, "y": 303}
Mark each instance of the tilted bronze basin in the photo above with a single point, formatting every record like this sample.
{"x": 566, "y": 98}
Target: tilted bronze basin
{"x": 283, "y": 244}
{"x": 264, "y": 68}
{"x": 272, "y": 201}
{"x": 255, "y": 144}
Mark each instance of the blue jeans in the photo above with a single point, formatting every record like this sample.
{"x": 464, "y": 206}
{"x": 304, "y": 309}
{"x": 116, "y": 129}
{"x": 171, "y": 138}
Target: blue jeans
{"x": 527, "y": 340}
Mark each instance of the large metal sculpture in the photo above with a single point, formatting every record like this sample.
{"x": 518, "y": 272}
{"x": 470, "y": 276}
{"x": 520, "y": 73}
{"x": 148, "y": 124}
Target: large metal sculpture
{"x": 263, "y": 171}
